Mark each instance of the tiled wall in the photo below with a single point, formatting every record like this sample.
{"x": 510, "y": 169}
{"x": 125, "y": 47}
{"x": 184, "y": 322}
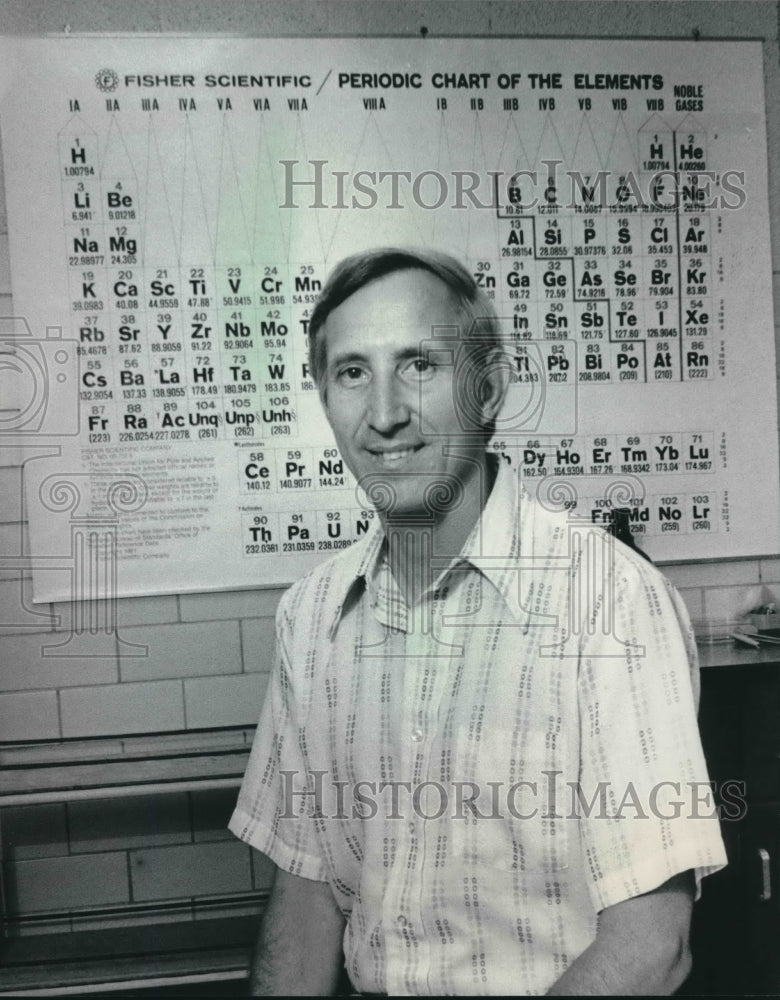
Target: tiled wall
{"x": 183, "y": 662}
{"x": 114, "y": 862}
{"x": 207, "y": 656}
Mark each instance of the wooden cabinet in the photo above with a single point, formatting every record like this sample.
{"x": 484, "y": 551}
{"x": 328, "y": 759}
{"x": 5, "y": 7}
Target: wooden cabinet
{"x": 736, "y": 925}
{"x": 761, "y": 874}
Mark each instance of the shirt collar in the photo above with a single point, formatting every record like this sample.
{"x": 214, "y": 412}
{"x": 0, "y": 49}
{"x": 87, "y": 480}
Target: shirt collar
{"x": 494, "y": 537}
{"x": 493, "y": 546}
{"x": 356, "y": 565}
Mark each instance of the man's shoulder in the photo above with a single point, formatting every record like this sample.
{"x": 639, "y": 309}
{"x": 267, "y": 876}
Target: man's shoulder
{"x": 592, "y": 552}
{"x": 545, "y": 522}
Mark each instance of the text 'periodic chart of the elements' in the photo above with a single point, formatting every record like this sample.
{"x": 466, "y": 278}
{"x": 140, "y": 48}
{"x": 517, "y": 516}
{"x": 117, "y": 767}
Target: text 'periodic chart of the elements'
{"x": 175, "y": 205}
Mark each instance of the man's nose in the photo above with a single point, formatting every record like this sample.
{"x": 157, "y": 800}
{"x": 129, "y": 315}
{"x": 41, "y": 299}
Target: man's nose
{"x": 389, "y": 407}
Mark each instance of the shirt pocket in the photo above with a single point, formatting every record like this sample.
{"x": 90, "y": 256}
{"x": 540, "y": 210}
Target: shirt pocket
{"x": 510, "y": 801}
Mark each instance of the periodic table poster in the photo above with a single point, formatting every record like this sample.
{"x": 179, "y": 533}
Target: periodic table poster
{"x": 175, "y": 204}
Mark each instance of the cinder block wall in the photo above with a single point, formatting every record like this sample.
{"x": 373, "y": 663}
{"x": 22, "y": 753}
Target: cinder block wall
{"x": 118, "y": 862}
{"x": 209, "y": 654}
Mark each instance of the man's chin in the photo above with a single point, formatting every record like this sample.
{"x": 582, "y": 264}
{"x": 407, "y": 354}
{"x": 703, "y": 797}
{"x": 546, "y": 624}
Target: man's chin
{"x": 420, "y": 498}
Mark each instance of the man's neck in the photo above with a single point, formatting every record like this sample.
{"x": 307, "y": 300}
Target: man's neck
{"x": 418, "y": 549}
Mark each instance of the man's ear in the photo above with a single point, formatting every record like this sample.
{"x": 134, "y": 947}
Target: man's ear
{"x": 494, "y": 384}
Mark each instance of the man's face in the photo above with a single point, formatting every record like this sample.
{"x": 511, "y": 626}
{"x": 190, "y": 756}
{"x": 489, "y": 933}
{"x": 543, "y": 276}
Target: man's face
{"x": 393, "y": 409}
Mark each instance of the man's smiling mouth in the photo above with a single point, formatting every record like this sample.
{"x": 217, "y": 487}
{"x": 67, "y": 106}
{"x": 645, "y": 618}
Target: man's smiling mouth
{"x": 390, "y": 457}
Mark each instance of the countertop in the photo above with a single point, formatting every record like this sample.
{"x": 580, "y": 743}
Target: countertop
{"x": 734, "y": 654}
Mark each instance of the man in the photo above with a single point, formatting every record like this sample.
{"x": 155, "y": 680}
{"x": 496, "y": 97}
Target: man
{"x": 477, "y": 769}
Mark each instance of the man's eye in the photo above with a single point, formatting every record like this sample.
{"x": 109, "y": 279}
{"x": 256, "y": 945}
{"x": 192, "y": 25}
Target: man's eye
{"x": 419, "y": 368}
{"x": 351, "y": 374}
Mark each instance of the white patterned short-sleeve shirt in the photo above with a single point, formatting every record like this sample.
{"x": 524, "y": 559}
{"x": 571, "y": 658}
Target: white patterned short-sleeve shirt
{"x": 478, "y": 775}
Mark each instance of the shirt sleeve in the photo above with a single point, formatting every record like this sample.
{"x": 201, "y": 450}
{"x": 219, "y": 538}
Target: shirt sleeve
{"x": 645, "y": 794}
{"x": 278, "y": 795}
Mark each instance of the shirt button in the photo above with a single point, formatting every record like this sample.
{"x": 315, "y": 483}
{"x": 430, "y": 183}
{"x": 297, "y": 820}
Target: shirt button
{"x": 417, "y": 735}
